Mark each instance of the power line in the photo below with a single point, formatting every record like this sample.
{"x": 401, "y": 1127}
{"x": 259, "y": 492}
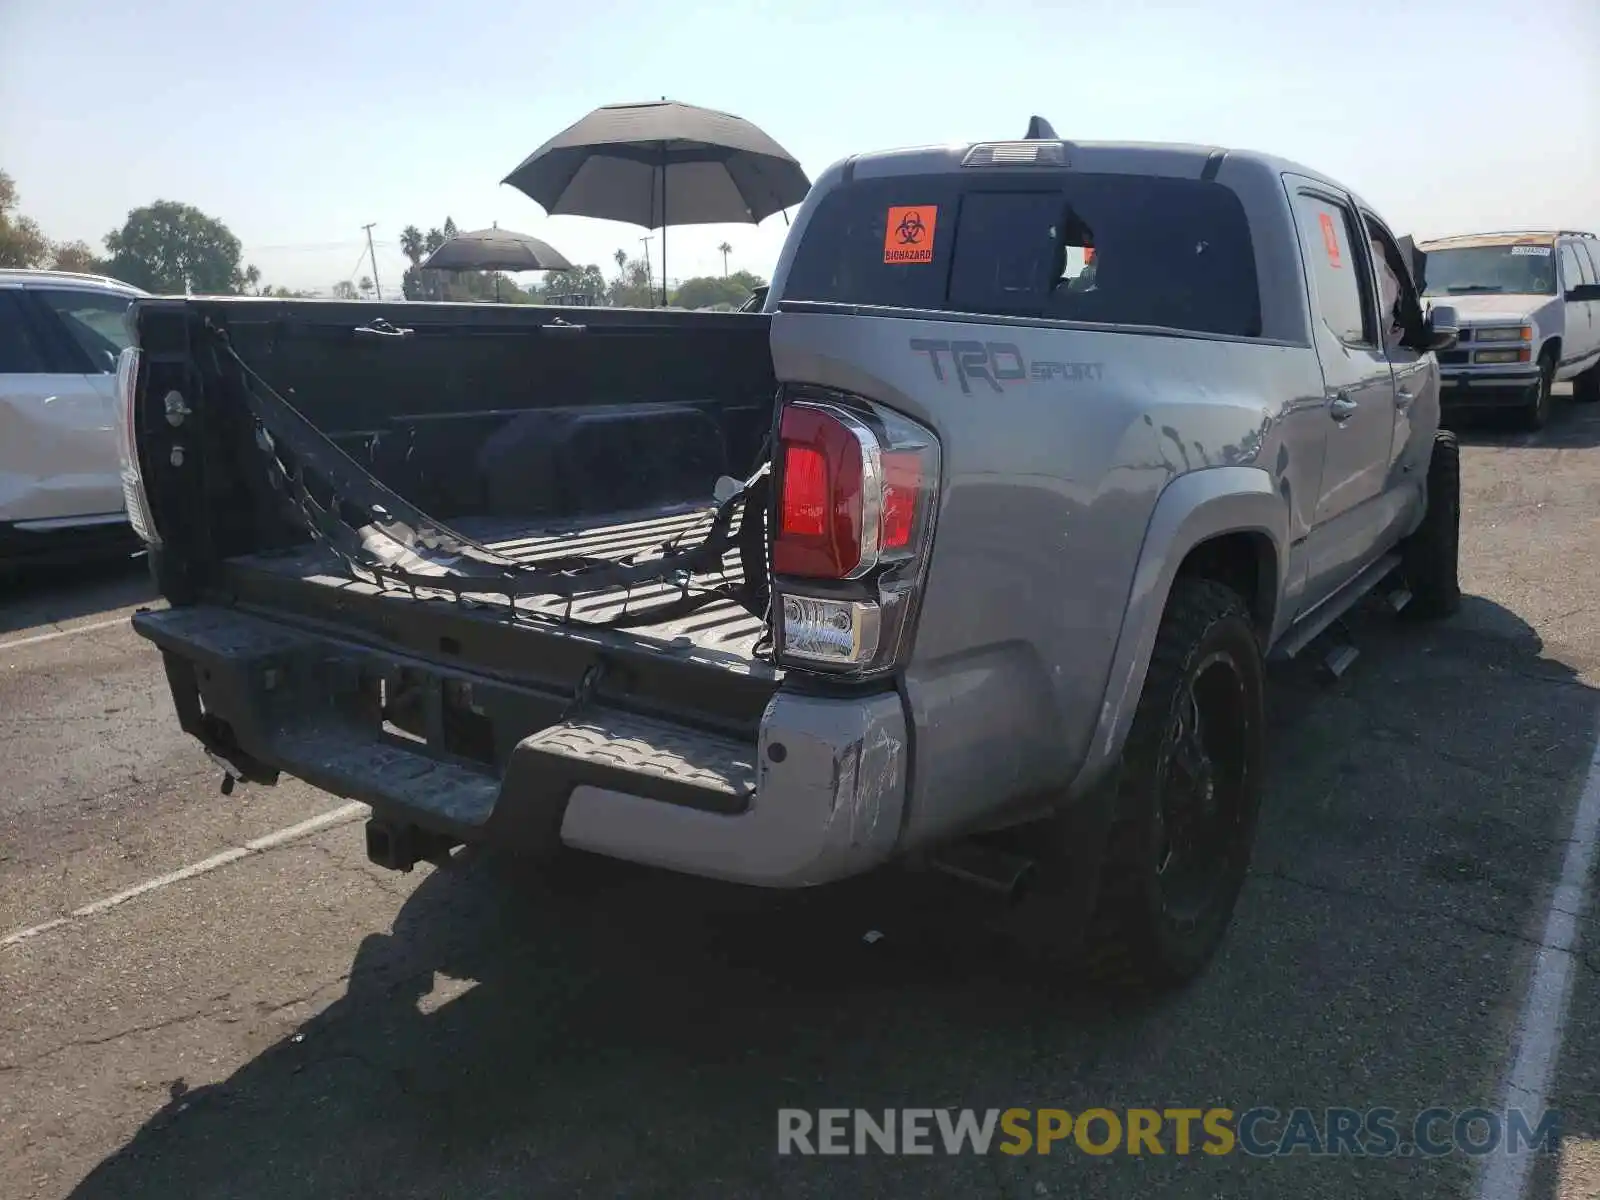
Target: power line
{"x": 316, "y": 246}
{"x": 376, "y": 286}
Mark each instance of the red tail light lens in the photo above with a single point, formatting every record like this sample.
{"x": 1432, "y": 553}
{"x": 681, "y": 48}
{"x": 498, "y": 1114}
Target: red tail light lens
{"x": 902, "y": 484}
{"x": 822, "y": 517}
{"x": 805, "y": 492}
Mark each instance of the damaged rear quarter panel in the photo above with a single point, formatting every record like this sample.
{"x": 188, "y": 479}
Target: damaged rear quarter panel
{"x": 1050, "y": 481}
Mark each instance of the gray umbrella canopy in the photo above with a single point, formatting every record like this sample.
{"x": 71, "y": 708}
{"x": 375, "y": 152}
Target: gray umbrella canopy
{"x": 662, "y": 163}
{"x": 496, "y": 250}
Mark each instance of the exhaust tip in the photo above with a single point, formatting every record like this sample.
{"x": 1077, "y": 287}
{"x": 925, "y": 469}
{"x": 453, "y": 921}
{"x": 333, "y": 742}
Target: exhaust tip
{"x": 1010, "y": 876}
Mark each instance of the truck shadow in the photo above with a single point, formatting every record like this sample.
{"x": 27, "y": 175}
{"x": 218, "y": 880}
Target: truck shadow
{"x": 1572, "y": 426}
{"x": 615, "y": 1031}
{"x": 41, "y": 595}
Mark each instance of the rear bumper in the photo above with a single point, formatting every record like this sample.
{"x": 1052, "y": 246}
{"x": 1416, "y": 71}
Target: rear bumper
{"x": 816, "y": 796}
{"x": 1481, "y": 389}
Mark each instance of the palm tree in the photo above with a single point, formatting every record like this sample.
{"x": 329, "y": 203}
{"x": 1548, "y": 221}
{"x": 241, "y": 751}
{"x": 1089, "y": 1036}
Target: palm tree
{"x": 411, "y": 243}
{"x": 725, "y": 250}
{"x": 622, "y": 260}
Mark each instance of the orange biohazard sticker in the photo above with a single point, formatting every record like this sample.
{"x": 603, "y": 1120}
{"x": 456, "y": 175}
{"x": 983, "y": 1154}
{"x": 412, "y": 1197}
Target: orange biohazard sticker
{"x": 908, "y": 235}
{"x": 1330, "y": 239}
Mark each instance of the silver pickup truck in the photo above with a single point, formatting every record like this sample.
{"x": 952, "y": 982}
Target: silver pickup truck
{"x": 966, "y": 552}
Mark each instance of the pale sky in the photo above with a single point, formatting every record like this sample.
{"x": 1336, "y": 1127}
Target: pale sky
{"x": 296, "y": 122}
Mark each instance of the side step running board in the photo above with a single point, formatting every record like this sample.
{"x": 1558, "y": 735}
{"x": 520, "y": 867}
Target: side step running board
{"x": 1336, "y": 606}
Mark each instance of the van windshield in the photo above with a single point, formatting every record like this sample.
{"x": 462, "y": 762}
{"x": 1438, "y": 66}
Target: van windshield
{"x": 1136, "y": 250}
{"x": 1476, "y": 270}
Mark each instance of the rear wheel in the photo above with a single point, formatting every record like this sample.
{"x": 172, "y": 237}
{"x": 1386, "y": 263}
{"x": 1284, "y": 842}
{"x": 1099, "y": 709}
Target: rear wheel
{"x": 1431, "y": 555}
{"x": 1185, "y": 802}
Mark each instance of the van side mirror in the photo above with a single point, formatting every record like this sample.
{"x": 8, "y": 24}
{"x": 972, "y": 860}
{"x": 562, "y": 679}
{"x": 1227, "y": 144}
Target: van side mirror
{"x": 1443, "y": 327}
{"x": 1583, "y": 292}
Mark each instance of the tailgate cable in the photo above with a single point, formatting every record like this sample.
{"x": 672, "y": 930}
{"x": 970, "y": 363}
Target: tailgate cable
{"x": 476, "y": 568}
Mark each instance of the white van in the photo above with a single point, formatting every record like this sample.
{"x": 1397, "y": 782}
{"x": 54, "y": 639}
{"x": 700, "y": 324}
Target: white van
{"x": 60, "y": 482}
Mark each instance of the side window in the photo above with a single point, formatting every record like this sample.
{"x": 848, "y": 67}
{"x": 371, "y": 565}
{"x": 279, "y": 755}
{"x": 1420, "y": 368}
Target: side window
{"x": 1588, "y": 261}
{"x": 1398, "y": 304}
{"x": 1571, "y": 271}
{"x": 1338, "y": 269}
{"x": 20, "y": 351}
{"x": 96, "y": 321}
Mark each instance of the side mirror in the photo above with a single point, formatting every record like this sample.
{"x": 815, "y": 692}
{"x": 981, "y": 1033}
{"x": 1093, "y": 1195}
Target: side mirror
{"x": 757, "y": 300}
{"x": 1583, "y": 292}
{"x": 1443, "y": 327}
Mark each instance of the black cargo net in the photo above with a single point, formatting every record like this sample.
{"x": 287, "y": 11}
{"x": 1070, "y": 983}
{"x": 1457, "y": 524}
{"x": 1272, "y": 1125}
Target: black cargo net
{"x": 382, "y": 538}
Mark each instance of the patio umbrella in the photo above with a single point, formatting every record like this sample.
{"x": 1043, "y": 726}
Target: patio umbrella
{"x": 496, "y": 250}
{"x": 662, "y": 163}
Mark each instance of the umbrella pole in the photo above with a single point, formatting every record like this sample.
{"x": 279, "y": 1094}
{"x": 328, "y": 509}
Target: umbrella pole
{"x": 663, "y": 224}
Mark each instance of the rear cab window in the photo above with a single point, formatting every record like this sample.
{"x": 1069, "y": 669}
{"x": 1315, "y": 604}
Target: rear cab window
{"x": 1118, "y": 249}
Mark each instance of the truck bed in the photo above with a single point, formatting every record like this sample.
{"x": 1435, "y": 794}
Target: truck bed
{"x": 721, "y": 634}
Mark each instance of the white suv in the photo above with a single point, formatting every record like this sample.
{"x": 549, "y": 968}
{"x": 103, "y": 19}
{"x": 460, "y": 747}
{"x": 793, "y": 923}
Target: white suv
{"x": 60, "y": 482}
{"x": 1529, "y": 304}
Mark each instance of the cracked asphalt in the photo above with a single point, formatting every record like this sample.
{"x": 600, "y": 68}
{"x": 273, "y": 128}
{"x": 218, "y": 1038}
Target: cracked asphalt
{"x": 300, "y": 1023}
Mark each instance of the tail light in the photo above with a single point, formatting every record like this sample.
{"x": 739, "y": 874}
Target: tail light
{"x": 856, "y": 490}
{"x": 133, "y": 493}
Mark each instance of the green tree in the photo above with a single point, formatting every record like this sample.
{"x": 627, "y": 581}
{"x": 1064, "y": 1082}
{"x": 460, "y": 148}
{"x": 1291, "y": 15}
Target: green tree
{"x": 167, "y": 247}
{"x": 724, "y": 249}
{"x": 345, "y": 290}
{"x": 418, "y": 284}
{"x": 710, "y": 291}
{"x": 75, "y": 256}
{"x": 22, "y": 243}
{"x": 632, "y": 288}
{"x": 580, "y": 281}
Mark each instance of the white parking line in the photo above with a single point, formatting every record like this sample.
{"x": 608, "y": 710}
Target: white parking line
{"x": 337, "y": 816}
{"x": 1544, "y": 1008}
{"x": 61, "y": 633}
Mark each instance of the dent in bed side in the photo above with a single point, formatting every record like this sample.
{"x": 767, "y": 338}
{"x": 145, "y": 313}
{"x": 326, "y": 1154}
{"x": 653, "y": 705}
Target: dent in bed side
{"x": 1194, "y": 509}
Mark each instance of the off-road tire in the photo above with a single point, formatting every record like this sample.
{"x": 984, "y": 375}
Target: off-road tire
{"x": 1536, "y": 413}
{"x": 1431, "y": 555}
{"x": 1131, "y": 942}
{"x": 1586, "y": 387}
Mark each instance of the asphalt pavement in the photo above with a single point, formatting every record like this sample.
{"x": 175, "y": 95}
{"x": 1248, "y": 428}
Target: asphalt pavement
{"x": 208, "y": 996}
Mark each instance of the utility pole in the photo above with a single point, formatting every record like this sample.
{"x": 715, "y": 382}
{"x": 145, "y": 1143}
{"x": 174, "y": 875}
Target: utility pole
{"x": 649, "y": 277}
{"x": 373, "y": 258}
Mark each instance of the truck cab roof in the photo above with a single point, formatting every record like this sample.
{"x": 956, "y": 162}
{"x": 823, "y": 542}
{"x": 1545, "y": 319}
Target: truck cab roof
{"x": 1178, "y": 159}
